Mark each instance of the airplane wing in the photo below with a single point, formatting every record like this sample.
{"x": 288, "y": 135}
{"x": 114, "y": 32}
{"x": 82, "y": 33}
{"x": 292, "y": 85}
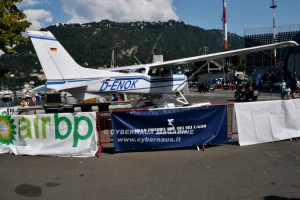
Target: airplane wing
{"x": 224, "y": 54}
{"x": 218, "y": 55}
{"x": 208, "y": 57}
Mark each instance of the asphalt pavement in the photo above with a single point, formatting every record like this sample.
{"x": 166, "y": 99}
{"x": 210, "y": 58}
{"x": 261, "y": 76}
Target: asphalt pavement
{"x": 264, "y": 171}
{"x": 220, "y": 96}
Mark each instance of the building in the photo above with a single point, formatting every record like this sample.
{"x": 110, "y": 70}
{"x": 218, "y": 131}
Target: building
{"x": 287, "y": 60}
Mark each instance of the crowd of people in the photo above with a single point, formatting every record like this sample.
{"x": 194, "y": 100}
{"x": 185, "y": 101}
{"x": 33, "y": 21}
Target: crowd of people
{"x": 31, "y": 102}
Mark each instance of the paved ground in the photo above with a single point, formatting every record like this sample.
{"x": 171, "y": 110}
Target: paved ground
{"x": 226, "y": 96}
{"x": 216, "y": 97}
{"x": 265, "y": 171}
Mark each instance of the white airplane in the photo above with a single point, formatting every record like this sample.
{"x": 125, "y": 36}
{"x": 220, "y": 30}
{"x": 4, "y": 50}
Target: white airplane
{"x": 64, "y": 74}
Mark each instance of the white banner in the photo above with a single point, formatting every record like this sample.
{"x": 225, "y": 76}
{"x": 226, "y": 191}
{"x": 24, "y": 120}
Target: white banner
{"x": 267, "y": 121}
{"x": 59, "y": 134}
{"x": 3, "y": 110}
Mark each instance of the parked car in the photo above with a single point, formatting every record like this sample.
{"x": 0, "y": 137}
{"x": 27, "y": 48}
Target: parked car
{"x": 245, "y": 92}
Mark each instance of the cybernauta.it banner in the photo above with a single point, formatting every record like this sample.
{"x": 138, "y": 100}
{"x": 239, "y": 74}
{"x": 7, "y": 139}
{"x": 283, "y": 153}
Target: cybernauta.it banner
{"x": 169, "y": 128}
{"x": 59, "y": 134}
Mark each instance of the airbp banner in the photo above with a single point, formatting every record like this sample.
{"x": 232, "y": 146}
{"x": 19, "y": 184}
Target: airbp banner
{"x": 59, "y": 134}
{"x": 169, "y": 128}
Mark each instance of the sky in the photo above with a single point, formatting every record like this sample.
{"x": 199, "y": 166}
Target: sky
{"x": 241, "y": 14}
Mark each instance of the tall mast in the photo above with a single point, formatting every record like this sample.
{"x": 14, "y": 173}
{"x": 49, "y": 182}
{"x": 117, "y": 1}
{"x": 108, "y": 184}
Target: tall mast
{"x": 274, "y": 6}
{"x": 225, "y": 25}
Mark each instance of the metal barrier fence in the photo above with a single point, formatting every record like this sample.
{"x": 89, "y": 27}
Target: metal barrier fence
{"x": 104, "y": 125}
{"x": 104, "y": 128}
{"x": 231, "y": 120}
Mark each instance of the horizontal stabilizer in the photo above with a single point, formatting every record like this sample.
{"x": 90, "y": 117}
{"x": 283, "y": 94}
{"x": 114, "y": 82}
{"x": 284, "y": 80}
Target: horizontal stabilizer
{"x": 41, "y": 88}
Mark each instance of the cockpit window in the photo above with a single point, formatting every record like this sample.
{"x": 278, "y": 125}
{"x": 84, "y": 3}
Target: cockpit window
{"x": 153, "y": 72}
{"x": 165, "y": 71}
{"x": 178, "y": 70}
{"x": 140, "y": 70}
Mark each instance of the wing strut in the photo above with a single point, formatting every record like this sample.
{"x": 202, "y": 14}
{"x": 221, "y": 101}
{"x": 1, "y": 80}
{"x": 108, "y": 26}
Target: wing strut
{"x": 189, "y": 78}
{"x": 181, "y": 99}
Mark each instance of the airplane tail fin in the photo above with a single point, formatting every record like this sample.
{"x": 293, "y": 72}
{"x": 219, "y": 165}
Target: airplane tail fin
{"x": 60, "y": 68}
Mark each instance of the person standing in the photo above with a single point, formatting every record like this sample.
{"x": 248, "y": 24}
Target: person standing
{"x": 282, "y": 88}
{"x": 24, "y": 103}
{"x": 115, "y": 97}
{"x": 33, "y": 100}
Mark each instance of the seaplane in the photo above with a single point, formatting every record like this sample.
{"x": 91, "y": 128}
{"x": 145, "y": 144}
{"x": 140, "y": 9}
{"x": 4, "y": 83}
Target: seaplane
{"x": 64, "y": 74}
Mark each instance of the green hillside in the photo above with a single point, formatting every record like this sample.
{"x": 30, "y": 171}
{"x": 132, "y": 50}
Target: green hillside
{"x": 91, "y": 45}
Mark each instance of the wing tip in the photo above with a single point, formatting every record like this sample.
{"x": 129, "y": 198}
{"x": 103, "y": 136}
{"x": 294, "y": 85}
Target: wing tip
{"x": 291, "y": 43}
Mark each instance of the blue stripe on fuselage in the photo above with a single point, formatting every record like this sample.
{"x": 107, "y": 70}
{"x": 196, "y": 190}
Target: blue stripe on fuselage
{"x": 130, "y": 83}
{"x": 125, "y": 83}
{"x": 43, "y": 38}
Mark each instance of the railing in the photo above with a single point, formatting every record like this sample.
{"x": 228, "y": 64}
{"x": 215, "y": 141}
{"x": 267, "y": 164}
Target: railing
{"x": 266, "y": 30}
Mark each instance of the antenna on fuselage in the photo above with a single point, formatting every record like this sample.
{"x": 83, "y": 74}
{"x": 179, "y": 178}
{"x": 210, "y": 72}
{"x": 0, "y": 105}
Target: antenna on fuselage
{"x": 154, "y": 47}
{"x": 137, "y": 60}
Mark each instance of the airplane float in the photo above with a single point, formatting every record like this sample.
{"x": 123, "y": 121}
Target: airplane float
{"x": 64, "y": 74}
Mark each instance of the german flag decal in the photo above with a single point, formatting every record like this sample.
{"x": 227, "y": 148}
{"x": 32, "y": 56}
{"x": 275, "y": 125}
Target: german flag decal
{"x": 53, "y": 49}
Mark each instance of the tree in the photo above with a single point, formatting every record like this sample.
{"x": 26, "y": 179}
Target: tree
{"x": 12, "y": 24}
